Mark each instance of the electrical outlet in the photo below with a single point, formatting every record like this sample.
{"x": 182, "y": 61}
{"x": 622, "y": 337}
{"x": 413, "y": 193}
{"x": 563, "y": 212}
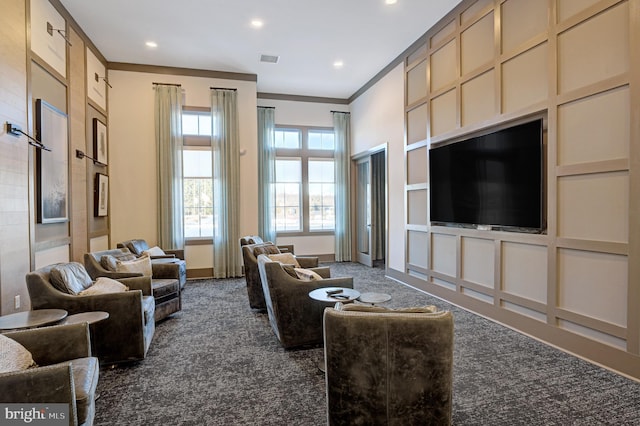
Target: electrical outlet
{"x": 16, "y": 302}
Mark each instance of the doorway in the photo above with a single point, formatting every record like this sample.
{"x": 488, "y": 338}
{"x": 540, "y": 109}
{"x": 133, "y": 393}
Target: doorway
{"x": 371, "y": 208}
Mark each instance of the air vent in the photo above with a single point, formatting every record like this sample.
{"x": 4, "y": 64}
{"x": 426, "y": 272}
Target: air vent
{"x": 271, "y": 59}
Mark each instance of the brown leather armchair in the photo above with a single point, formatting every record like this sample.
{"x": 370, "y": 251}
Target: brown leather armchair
{"x": 295, "y": 318}
{"x": 255, "y": 239}
{"x": 170, "y": 265}
{"x": 125, "y": 335}
{"x": 65, "y": 373}
{"x": 386, "y": 366}
{"x": 250, "y": 254}
{"x": 165, "y": 284}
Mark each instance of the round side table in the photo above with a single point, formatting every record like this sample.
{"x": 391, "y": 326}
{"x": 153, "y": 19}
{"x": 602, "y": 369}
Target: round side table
{"x": 31, "y": 319}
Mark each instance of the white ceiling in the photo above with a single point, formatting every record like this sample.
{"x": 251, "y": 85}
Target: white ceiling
{"x": 308, "y": 36}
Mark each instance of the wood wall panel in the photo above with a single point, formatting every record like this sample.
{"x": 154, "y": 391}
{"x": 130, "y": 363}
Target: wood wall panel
{"x": 14, "y": 161}
{"x": 524, "y": 270}
{"x": 444, "y": 117}
{"x": 478, "y": 99}
{"x": 444, "y": 66}
{"x": 478, "y": 260}
{"x": 417, "y": 166}
{"x": 417, "y": 120}
{"x": 524, "y": 79}
{"x": 477, "y": 45}
{"x": 522, "y": 20}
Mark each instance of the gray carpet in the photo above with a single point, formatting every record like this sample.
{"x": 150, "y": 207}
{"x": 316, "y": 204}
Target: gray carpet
{"x": 217, "y": 362}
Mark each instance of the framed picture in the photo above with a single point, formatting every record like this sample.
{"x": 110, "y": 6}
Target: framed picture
{"x": 101, "y": 196}
{"x": 52, "y": 171}
{"x": 100, "y": 143}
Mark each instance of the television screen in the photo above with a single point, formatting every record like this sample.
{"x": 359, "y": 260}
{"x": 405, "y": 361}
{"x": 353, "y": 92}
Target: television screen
{"x": 494, "y": 179}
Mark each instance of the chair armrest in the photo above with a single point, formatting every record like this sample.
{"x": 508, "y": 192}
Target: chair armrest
{"x": 50, "y": 384}
{"x": 307, "y": 261}
{"x": 163, "y": 256}
{"x": 138, "y": 282}
{"x": 165, "y": 270}
{"x": 345, "y": 282}
{"x": 119, "y": 275}
{"x": 285, "y": 248}
{"x": 58, "y": 343}
{"x": 323, "y": 271}
{"x": 179, "y": 253}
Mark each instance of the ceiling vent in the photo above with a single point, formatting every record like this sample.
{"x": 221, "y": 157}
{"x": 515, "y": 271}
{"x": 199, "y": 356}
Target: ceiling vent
{"x": 271, "y": 59}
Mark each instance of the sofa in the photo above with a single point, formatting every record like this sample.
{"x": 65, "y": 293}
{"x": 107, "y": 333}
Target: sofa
{"x": 296, "y": 319}
{"x": 124, "y": 336}
{"x": 64, "y": 369}
{"x": 165, "y": 280}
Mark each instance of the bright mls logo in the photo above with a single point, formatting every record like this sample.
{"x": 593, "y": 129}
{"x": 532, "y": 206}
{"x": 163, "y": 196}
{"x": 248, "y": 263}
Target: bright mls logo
{"x": 34, "y": 414}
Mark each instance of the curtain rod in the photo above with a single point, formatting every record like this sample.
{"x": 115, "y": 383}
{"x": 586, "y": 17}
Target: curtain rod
{"x": 166, "y": 84}
{"x": 266, "y": 107}
{"x": 222, "y": 88}
{"x": 341, "y": 112}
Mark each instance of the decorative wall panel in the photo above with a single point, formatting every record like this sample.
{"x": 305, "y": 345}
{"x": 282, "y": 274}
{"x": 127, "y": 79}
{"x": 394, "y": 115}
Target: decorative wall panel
{"x": 594, "y": 206}
{"x": 524, "y": 79}
{"x": 595, "y": 128}
{"x": 593, "y": 284}
{"x": 594, "y": 50}
{"x": 524, "y": 271}
{"x": 477, "y": 44}
{"x": 478, "y": 98}
{"x": 521, "y": 21}
{"x": 478, "y": 260}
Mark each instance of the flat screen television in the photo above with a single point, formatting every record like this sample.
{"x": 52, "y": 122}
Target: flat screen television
{"x": 491, "y": 181}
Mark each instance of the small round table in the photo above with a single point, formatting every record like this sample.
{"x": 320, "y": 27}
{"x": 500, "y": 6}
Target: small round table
{"x": 373, "y": 298}
{"x": 31, "y": 319}
{"x": 88, "y": 317}
{"x": 344, "y": 295}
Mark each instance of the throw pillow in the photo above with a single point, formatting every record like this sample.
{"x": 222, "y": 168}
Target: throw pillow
{"x": 154, "y": 251}
{"x": 307, "y": 274}
{"x": 70, "y": 278}
{"x": 13, "y": 356}
{"x": 291, "y": 270}
{"x": 104, "y": 285}
{"x": 109, "y": 261}
{"x": 286, "y": 258}
{"x": 141, "y": 265}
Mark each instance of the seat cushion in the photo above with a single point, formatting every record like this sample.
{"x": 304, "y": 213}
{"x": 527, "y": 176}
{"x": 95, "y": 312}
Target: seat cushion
{"x": 85, "y": 381}
{"x": 104, "y": 285}
{"x": 164, "y": 286}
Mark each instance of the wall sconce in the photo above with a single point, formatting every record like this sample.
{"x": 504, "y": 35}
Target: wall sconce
{"x": 14, "y": 130}
{"x": 62, "y": 33}
{"x": 97, "y": 77}
{"x": 81, "y": 155}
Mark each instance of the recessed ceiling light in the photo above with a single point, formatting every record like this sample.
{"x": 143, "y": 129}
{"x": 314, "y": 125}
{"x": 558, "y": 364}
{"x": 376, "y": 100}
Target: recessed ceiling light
{"x": 390, "y": 1}
{"x": 257, "y": 23}
{"x": 338, "y": 64}
{"x": 151, "y": 44}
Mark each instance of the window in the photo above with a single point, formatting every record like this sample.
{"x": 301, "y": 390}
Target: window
{"x": 197, "y": 173}
{"x": 305, "y": 184}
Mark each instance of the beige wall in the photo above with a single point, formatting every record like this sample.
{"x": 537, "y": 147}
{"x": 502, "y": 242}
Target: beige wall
{"x": 133, "y": 154}
{"x": 376, "y": 119}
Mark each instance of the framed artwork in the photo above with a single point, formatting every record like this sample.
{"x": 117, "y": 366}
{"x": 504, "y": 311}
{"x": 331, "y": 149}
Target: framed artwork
{"x": 52, "y": 170}
{"x": 100, "y": 143}
{"x": 101, "y": 196}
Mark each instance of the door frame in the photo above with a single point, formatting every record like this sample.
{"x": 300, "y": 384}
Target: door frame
{"x": 384, "y": 147}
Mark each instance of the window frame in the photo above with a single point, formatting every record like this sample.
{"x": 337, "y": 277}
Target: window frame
{"x": 197, "y": 142}
{"x": 305, "y": 154}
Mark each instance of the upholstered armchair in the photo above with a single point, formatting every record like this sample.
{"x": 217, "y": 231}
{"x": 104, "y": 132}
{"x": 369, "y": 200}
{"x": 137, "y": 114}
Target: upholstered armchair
{"x": 255, "y": 239}
{"x": 388, "y": 367}
{"x": 165, "y": 282}
{"x": 125, "y": 335}
{"x": 165, "y": 263}
{"x": 250, "y": 253}
{"x": 65, "y": 371}
{"x": 295, "y": 318}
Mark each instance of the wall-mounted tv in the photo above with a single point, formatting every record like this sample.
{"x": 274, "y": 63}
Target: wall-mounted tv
{"x": 491, "y": 181}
